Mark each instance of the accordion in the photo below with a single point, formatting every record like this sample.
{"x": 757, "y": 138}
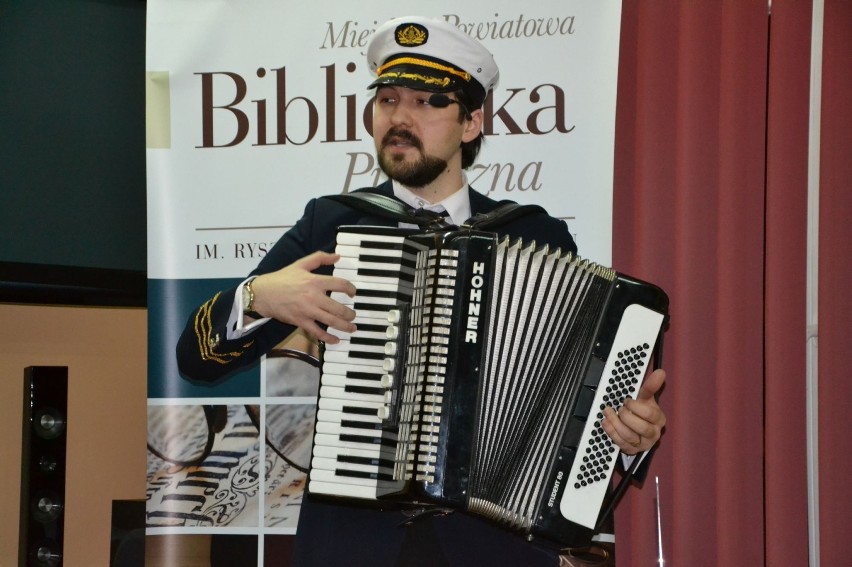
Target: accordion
{"x": 477, "y": 377}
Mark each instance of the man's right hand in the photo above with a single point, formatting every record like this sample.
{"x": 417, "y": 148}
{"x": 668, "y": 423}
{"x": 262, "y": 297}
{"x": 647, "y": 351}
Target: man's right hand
{"x": 297, "y": 296}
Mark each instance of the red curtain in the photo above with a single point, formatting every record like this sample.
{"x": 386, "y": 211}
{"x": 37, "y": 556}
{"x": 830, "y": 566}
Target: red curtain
{"x": 711, "y": 165}
{"x": 785, "y": 492}
{"x": 835, "y": 273}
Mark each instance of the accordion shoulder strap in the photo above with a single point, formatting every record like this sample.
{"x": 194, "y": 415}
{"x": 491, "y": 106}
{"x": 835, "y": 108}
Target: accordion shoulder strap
{"x": 392, "y": 208}
{"x": 389, "y": 207}
{"x": 506, "y": 212}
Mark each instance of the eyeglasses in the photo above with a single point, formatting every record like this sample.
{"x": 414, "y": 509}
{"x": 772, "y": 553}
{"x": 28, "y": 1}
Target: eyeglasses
{"x": 185, "y": 434}
{"x": 440, "y": 100}
{"x": 420, "y": 102}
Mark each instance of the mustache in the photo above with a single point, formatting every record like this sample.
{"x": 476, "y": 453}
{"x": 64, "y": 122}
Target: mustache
{"x": 401, "y": 134}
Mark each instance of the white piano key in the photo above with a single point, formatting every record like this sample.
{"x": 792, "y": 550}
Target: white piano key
{"x": 358, "y": 239}
{"x": 348, "y": 263}
{"x": 342, "y": 405}
{"x": 335, "y": 428}
{"x": 338, "y": 416}
{"x": 342, "y": 394}
{"x": 345, "y": 357}
{"x": 344, "y": 299}
{"x": 367, "y": 328}
{"x": 364, "y": 492}
{"x": 332, "y": 440}
{"x": 335, "y": 464}
{"x": 343, "y": 381}
{"x": 329, "y": 452}
{"x": 393, "y": 254}
{"x": 404, "y": 283}
{"x": 347, "y": 346}
{"x": 339, "y": 369}
{"x": 320, "y": 475}
{"x": 354, "y": 491}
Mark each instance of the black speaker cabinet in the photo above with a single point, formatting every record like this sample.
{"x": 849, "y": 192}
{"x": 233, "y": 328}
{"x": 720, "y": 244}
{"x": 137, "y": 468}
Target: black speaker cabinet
{"x": 44, "y": 429}
{"x": 127, "y": 541}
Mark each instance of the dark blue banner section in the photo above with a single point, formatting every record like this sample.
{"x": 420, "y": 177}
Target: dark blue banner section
{"x": 170, "y": 304}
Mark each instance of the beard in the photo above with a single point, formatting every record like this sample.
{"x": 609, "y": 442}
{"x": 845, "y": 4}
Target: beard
{"x": 418, "y": 173}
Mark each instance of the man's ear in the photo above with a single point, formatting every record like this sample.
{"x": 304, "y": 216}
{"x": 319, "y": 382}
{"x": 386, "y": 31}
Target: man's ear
{"x": 473, "y": 126}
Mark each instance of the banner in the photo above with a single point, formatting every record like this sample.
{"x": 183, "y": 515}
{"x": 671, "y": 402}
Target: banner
{"x": 255, "y": 107}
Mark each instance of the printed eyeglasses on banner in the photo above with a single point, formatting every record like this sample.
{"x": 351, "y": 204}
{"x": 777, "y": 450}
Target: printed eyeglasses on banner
{"x": 186, "y": 434}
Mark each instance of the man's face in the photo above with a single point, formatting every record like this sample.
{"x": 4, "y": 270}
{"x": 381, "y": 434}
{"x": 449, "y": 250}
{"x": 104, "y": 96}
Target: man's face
{"x": 415, "y": 141}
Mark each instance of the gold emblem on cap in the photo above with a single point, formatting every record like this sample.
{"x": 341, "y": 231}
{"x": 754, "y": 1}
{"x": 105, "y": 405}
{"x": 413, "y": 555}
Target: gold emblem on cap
{"x": 411, "y": 35}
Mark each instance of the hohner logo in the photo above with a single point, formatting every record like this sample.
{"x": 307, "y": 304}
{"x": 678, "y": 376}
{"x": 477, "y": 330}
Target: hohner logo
{"x": 476, "y": 283}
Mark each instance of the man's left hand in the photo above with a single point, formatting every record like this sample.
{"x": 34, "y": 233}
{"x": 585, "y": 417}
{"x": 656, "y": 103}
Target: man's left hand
{"x": 639, "y": 423}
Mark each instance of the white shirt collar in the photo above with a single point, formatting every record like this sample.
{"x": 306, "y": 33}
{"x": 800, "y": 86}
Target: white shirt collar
{"x": 457, "y": 205}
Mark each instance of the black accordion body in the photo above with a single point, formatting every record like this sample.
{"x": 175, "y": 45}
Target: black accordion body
{"x": 477, "y": 377}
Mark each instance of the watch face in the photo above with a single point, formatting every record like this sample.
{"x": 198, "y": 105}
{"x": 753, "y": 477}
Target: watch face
{"x": 246, "y": 298}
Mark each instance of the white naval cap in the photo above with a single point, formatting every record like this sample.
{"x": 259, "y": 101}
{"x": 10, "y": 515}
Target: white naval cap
{"x": 431, "y": 55}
